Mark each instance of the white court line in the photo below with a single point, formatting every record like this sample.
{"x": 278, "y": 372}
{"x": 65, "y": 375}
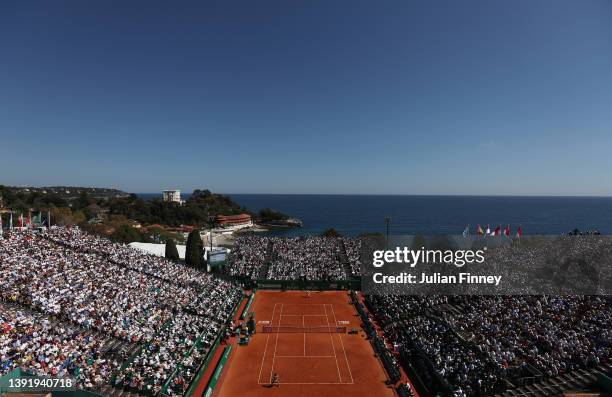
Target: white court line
{"x": 333, "y": 347}
{"x": 305, "y": 356}
{"x": 309, "y": 383}
{"x": 264, "y": 355}
{"x": 342, "y": 343}
{"x": 303, "y": 315}
{"x": 276, "y": 345}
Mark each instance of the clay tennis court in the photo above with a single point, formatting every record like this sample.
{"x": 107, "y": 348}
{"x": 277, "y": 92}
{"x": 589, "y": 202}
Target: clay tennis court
{"x": 324, "y": 361}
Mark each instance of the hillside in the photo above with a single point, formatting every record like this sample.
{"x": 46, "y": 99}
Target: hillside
{"x": 68, "y": 192}
{"x": 201, "y": 207}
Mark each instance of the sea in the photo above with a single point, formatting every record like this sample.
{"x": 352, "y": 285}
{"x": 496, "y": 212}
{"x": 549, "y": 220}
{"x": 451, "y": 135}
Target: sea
{"x": 352, "y": 215}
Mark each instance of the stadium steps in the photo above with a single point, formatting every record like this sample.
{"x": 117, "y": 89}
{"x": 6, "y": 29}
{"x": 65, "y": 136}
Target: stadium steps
{"x": 114, "y": 346}
{"x": 569, "y": 380}
{"x": 556, "y": 386}
{"x": 111, "y": 391}
{"x": 532, "y": 390}
{"x": 343, "y": 258}
{"x": 450, "y": 309}
{"x": 263, "y": 271}
{"x": 540, "y": 389}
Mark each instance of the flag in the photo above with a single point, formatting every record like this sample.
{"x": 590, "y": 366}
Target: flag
{"x": 0, "y": 224}
{"x": 497, "y": 231}
{"x": 507, "y": 231}
{"x": 466, "y": 231}
{"x": 29, "y": 221}
{"x": 519, "y": 232}
{"x": 488, "y": 230}
{"x": 11, "y": 222}
{"x": 479, "y": 231}
{"x": 21, "y": 220}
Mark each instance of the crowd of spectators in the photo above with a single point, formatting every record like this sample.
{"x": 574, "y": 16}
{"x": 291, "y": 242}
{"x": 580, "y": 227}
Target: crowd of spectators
{"x": 578, "y": 232}
{"x": 352, "y": 248}
{"x": 299, "y": 258}
{"x": 112, "y": 289}
{"x": 247, "y": 257}
{"x": 128, "y": 257}
{"x": 306, "y": 258}
{"x": 64, "y": 292}
{"x": 44, "y": 347}
{"x": 172, "y": 353}
{"x": 480, "y": 345}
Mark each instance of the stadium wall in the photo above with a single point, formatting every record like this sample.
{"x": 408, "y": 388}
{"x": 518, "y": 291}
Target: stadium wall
{"x": 335, "y": 285}
{"x": 245, "y": 312}
{"x": 203, "y": 367}
{"x": 218, "y": 370}
{"x": 211, "y": 353}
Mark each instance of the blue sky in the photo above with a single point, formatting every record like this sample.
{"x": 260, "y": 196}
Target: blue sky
{"x": 404, "y": 97}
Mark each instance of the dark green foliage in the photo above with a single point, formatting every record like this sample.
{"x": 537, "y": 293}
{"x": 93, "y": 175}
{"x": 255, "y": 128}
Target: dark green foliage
{"x": 270, "y": 215}
{"x": 126, "y": 234}
{"x": 194, "y": 252}
{"x": 171, "y": 251}
{"x": 84, "y": 201}
{"x": 199, "y": 209}
{"x": 21, "y": 201}
{"x": 331, "y": 232}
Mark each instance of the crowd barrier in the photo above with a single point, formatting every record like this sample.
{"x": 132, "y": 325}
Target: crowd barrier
{"x": 423, "y": 374}
{"x": 387, "y": 360}
{"x": 605, "y": 382}
{"x": 332, "y": 285}
{"x": 203, "y": 367}
{"x": 404, "y": 391}
{"x": 245, "y": 312}
{"x": 321, "y": 285}
{"x": 313, "y": 285}
{"x": 209, "y": 356}
{"x": 379, "y": 346}
{"x": 218, "y": 370}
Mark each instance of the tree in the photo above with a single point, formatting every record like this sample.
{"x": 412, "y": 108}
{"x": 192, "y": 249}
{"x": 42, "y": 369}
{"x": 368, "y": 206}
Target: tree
{"x": 171, "y": 251}
{"x": 92, "y": 211}
{"x": 194, "y": 252}
{"x": 65, "y": 216}
{"x": 270, "y": 215}
{"x": 84, "y": 200}
{"x": 331, "y": 232}
{"x": 125, "y": 234}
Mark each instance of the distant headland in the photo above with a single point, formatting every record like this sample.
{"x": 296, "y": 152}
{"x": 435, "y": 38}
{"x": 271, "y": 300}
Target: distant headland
{"x": 126, "y": 217}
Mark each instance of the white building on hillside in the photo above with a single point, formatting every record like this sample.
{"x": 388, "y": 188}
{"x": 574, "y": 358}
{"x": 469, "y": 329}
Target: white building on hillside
{"x": 173, "y": 196}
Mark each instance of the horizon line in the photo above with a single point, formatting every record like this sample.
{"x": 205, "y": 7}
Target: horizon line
{"x": 398, "y": 194}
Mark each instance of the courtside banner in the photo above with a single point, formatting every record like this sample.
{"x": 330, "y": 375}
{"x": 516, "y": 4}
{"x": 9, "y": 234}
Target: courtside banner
{"x": 486, "y": 265}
